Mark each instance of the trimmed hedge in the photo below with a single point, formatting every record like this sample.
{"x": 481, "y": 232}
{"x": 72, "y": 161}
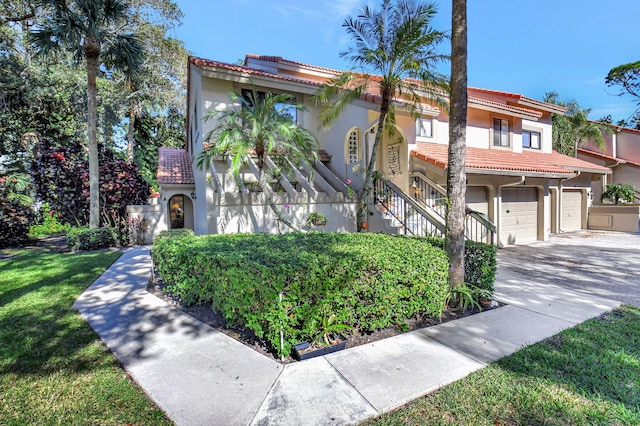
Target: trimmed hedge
{"x": 306, "y": 285}
{"x": 92, "y": 239}
{"x": 479, "y": 263}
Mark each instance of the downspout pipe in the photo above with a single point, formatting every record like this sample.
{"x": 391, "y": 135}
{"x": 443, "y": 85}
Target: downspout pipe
{"x": 520, "y": 181}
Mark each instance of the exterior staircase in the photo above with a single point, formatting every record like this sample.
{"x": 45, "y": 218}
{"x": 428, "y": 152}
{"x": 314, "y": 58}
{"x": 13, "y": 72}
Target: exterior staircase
{"x": 423, "y": 212}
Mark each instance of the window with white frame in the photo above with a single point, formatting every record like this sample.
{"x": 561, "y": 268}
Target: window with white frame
{"x": 424, "y": 128}
{"x": 353, "y": 146}
{"x": 500, "y": 132}
{"x": 530, "y": 139}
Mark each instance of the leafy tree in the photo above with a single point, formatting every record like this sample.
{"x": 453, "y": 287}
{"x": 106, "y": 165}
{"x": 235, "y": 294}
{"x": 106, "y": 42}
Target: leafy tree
{"x": 627, "y": 77}
{"x": 394, "y": 50}
{"x": 619, "y": 193}
{"x": 456, "y": 175}
{"x": 152, "y": 132}
{"x": 16, "y": 214}
{"x": 574, "y": 128}
{"x": 60, "y": 176}
{"x": 92, "y": 30}
{"x": 36, "y": 102}
{"x": 260, "y": 127}
{"x": 159, "y": 86}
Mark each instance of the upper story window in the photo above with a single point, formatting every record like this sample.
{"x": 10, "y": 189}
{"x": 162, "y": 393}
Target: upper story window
{"x": 287, "y": 109}
{"x": 500, "y": 132}
{"x": 530, "y": 139}
{"x": 353, "y": 146}
{"x": 424, "y": 128}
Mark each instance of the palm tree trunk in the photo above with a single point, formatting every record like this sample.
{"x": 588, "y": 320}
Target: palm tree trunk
{"x": 367, "y": 186}
{"x": 94, "y": 180}
{"x": 132, "y": 120}
{"x": 456, "y": 176}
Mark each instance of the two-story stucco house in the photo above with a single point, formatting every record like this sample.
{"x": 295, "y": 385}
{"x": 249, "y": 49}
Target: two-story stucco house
{"x": 622, "y": 156}
{"x": 515, "y": 179}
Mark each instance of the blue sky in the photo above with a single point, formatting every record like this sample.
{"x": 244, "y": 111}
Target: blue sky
{"x": 521, "y": 46}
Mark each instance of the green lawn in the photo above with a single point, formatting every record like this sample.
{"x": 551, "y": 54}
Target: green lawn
{"x": 53, "y": 367}
{"x": 587, "y": 375}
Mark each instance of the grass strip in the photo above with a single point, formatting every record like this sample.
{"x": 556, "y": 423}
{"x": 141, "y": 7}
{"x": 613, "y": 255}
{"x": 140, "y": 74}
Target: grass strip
{"x": 53, "y": 367}
{"x": 587, "y": 375}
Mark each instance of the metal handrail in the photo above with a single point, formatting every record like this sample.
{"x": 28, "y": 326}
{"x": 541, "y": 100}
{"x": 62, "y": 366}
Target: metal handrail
{"x": 478, "y": 226}
{"x": 415, "y": 219}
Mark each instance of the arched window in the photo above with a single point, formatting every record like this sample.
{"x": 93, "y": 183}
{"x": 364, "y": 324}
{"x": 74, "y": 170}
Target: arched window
{"x": 352, "y": 146}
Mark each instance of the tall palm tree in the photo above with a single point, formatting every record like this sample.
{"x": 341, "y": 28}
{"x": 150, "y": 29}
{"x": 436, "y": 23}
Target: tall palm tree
{"x": 456, "y": 175}
{"x": 395, "y": 51}
{"x": 92, "y": 30}
{"x": 260, "y": 127}
{"x": 574, "y": 128}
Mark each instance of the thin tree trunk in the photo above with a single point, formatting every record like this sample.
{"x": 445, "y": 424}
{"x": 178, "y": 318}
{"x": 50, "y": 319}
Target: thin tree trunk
{"x": 456, "y": 176}
{"x": 94, "y": 180}
{"x": 132, "y": 120}
{"x": 367, "y": 186}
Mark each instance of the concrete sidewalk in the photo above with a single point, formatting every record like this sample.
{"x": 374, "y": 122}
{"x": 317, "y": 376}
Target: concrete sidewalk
{"x": 200, "y": 376}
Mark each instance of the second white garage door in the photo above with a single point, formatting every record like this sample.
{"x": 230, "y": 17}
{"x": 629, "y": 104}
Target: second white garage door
{"x": 519, "y": 223}
{"x": 571, "y": 211}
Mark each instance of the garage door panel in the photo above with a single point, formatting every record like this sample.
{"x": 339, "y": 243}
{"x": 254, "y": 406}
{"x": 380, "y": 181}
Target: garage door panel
{"x": 571, "y": 211}
{"x": 519, "y": 215}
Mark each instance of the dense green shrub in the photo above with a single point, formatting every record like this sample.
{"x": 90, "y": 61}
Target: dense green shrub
{"x": 61, "y": 177}
{"x": 16, "y": 214}
{"x": 306, "y": 284}
{"x": 479, "y": 264}
{"x": 48, "y": 223}
{"x": 91, "y": 239}
{"x": 175, "y": 233}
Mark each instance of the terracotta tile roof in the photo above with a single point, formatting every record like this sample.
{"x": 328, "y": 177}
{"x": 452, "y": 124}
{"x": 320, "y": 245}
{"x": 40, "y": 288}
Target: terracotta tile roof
{"x": 497, "y": 160}
{"x": 200, "y": 62}
{"x": 519, "y": 99}
{"x": 504, "y": 106}
{"x": 607, "y": 157}
{"x": 277, "y": 59}
{"x": 174, "y": 167}
{"x": 475, "y": 94}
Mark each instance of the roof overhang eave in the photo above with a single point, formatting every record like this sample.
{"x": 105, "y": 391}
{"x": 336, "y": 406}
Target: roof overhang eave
{"x": 588, "y": 170}
{"x": 527, "y": 173}
{"x": 260, "y": 80}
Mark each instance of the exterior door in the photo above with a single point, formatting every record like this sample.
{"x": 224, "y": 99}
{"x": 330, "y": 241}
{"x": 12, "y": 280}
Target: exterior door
{"x": 519, "y": 215}
{"x": 571, "y": 211}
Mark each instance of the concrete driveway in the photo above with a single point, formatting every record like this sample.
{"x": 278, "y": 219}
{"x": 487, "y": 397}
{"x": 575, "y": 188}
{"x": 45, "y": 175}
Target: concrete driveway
{"x": 601, "y": 263}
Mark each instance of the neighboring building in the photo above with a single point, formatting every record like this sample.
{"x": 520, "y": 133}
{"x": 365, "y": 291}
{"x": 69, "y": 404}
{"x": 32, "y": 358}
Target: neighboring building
{"x": 622, "y": 156}
{"x": 514, "y": 178}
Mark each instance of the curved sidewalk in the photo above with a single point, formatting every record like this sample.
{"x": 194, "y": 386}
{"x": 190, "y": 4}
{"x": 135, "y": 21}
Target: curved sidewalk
{"x": 200, "y": 376}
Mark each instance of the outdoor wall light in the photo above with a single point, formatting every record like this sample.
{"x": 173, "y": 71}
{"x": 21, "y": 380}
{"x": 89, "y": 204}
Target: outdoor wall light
{"x": 193, "y": 195}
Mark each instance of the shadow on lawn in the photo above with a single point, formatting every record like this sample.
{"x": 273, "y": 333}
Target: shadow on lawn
{"x": 39, "y": 330}
{"x": 597, "y": 360}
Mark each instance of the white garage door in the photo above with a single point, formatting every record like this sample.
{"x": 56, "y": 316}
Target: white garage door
{"x": 571, "y": 211}
{"x": 519, "y": 223}
{"x": 476, "y": 199}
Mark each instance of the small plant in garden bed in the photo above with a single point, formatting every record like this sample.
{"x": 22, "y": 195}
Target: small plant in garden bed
{"x": 49, "y": 223}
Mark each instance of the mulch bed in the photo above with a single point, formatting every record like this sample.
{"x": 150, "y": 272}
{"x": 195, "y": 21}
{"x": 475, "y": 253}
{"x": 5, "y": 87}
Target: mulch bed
{"x": 206, "y": 314}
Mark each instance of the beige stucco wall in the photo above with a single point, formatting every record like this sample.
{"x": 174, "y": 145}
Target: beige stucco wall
{"x": 628, "y": 145}
{"x": 241, "y": 213}
{"x": 615, "y": 218}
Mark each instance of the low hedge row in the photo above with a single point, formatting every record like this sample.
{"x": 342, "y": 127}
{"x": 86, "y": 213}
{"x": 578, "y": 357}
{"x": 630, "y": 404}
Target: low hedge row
{"x": 479, "y": 263}
{"x": 306, "y": 285}
{"x": 91, "y": 239}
